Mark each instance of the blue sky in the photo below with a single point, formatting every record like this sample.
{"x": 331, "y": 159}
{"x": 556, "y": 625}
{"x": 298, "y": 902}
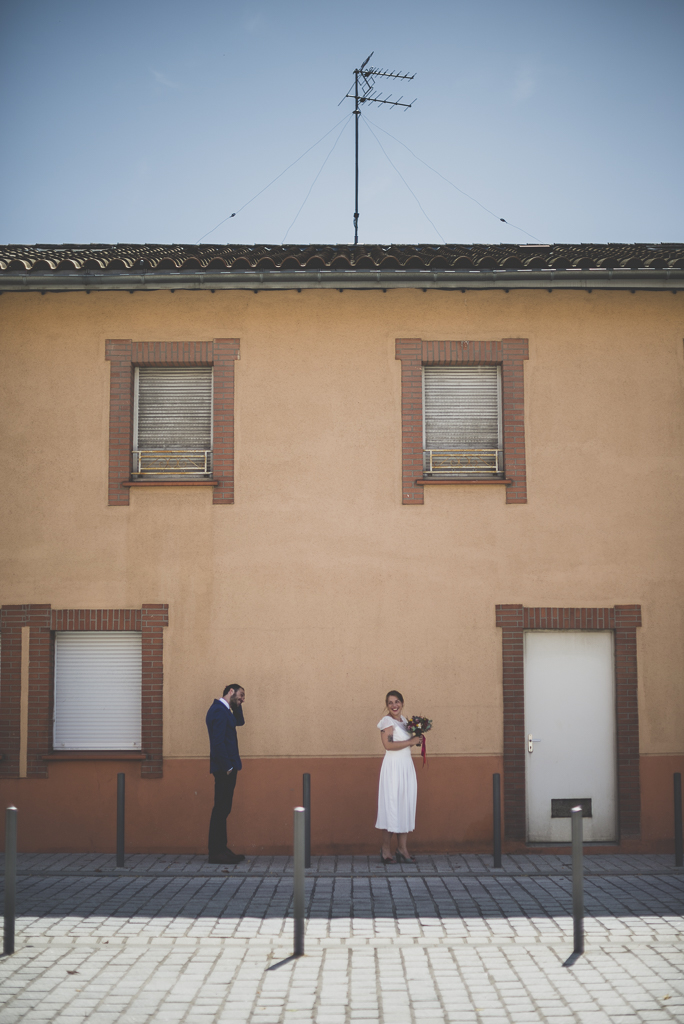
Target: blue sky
{"x": 151, "y": 121}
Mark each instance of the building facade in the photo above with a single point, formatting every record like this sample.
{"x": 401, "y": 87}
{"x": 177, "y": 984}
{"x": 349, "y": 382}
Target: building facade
{"x": 324, "y": 473}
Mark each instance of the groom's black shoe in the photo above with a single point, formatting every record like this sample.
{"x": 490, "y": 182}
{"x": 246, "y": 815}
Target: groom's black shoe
{"x": 226, "y": 857}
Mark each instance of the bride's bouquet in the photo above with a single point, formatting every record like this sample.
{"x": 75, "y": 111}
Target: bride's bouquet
{"x": 418, "y": 726}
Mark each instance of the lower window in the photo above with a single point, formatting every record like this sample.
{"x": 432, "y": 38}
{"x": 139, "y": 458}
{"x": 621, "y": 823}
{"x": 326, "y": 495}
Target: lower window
{"x": 98, "y": 690}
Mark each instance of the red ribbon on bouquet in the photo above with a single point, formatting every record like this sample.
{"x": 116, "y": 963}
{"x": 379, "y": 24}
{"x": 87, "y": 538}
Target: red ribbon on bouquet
{"x": 423, "y": 749}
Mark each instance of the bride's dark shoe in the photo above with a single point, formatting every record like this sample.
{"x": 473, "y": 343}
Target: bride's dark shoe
{"x": 387, "y": 860}
{"x": 406, "y": 860}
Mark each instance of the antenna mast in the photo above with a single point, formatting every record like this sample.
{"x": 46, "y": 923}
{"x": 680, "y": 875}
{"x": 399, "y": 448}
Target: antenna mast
{"x": 369, "y": 94}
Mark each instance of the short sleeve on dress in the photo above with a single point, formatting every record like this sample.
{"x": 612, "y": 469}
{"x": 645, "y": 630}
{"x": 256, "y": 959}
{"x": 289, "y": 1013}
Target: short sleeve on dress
{"x": 386, "y": 722}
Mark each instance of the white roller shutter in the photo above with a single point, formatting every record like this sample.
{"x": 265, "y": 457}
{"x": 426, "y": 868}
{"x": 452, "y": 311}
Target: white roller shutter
{"x": 462, "y": 413}
{"x": 98, "y": 682}
{"x": 173, "y": 413}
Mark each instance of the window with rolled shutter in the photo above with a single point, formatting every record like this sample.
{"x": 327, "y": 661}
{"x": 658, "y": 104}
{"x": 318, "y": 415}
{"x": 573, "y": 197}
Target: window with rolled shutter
{"x": 172, "y": 422}
{"x": 462, "y": 421}
{"x": 98, "y": 687}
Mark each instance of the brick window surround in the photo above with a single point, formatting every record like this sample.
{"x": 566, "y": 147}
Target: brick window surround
{"x": 125, "y": 355}
{"x": 44, "y": 621}
{"x": 509, "y": 354}
{"x": 623, "y": 620}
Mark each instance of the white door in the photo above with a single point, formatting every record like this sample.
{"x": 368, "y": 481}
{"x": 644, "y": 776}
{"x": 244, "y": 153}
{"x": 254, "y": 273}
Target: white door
{"x": 570, "y": 733}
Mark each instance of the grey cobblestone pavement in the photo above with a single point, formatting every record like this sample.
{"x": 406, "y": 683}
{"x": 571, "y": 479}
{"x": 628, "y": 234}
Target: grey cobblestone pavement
{"x": 176, "y": 941}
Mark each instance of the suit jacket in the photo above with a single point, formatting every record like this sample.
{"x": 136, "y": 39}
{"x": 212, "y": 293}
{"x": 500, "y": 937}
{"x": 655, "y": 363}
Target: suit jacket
{"x": 222, "y": 724}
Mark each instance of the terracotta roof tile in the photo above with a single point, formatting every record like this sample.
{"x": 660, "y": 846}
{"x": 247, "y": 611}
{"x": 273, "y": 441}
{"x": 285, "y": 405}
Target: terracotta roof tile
{"x": 148, "y": 258}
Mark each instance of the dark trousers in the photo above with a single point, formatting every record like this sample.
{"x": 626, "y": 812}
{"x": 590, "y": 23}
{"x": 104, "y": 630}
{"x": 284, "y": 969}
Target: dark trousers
{"x": 224, "y": 787}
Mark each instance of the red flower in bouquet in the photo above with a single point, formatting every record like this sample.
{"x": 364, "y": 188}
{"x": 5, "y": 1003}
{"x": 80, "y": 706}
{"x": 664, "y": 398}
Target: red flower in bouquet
{"x": 418, "y": 726}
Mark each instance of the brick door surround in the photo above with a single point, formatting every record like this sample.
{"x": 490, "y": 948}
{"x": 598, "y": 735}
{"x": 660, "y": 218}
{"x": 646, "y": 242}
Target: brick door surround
{"x": 124, "y": 355}
{"x": 44, "y": 621}
{"x": 509, "y": 354}
{"x": 622, "y": 620}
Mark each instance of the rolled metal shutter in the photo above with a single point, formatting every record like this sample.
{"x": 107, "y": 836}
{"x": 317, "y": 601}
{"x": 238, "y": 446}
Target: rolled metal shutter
{"x": 174, "y": 413}
{"x": 98, "y": 687}
{"x": 461, "y": 408}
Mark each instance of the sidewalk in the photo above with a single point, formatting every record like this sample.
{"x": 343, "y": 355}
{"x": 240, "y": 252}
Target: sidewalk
{"x": 173, "y": 939}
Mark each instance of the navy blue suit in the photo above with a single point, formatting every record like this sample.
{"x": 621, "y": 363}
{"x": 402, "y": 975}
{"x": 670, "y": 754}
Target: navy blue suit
{"x": 224, "y": 764}
{"x": 222, "y": 723}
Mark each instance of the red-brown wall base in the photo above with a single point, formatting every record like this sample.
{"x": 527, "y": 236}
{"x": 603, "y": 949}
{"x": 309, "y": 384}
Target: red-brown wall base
{"x": 74, "y": 810}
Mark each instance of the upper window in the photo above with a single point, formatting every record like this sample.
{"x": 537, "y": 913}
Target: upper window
{"x": 462, "y": 433}
{"x": 172, "y": 423}
{"x": 98, "y": 690}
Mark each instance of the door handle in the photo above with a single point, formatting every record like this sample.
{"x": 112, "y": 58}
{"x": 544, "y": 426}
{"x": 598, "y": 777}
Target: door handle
{"x": 530, "y": 744}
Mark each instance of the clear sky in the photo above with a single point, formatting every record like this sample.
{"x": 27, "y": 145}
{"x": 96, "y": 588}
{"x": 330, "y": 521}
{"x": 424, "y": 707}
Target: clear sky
{"x": 152, "y": 120}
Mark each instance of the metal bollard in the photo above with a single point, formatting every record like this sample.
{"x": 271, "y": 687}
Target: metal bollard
{"x": 306, "y": 800}
{"x": 679, "y": 852}
{"x": 10, "y": 879}
{"x": 120, "y": 819}
{"x": 577, "y": 880}
{"x": 298, "y": 901}
{"x": 496, "y": 806}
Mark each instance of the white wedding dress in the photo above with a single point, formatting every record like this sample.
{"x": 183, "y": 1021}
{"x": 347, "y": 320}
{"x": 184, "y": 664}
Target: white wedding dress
{"x": 398, "y": 784}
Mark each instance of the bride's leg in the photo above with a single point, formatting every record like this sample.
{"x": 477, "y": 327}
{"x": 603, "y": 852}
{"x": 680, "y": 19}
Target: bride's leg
{"x": 401, "y": 844}
{"x": 386, "y": 845}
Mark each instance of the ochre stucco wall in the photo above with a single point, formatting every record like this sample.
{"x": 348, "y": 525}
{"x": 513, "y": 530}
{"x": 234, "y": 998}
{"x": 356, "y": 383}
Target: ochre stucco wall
{"x": 318, "y": 590}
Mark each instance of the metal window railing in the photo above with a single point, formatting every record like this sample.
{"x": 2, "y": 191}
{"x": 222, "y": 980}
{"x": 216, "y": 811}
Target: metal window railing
{"x": 172, "y": 462}
{"x": 462, "y": 461}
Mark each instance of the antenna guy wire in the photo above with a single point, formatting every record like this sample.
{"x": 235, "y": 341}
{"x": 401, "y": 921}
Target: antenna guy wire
{"x": 316, "y": 178}
{"x": 402, "y": 178}
{"x": 440, "y": 175}
{"x": 274, "y": 180}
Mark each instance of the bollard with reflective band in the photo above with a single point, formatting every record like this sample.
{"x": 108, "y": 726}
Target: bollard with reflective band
{"x": 120, "y": 819}
{"x": 577, "y": 879}
{"x": 298, "y": 900}
{"x": 496, "y": 807}
{"x": 679, "y": 852}
{"x": 306, "y": 800}
{"x": 10, "y": 879}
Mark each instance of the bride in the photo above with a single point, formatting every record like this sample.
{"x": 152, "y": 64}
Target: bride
{"x": 398, "y": 786}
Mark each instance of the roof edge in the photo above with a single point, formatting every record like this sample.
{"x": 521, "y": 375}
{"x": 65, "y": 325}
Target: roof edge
{"x": 364, "y": 280}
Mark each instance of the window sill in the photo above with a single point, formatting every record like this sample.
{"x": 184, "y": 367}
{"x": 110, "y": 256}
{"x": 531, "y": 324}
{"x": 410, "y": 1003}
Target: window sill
{"x": 95, "y": 755}
{"x": 170, "y": 483}
{"x": 464, "y": 480}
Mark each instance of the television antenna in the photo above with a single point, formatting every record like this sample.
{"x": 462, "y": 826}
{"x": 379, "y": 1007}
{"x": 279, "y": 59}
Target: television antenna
{"x": 364, "y": 77}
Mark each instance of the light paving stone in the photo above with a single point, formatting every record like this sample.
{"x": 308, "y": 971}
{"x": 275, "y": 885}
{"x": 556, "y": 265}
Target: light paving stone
{"x": 171, "y": 940}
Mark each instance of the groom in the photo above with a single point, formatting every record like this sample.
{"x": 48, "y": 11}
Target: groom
{"x": 223, "y": 718}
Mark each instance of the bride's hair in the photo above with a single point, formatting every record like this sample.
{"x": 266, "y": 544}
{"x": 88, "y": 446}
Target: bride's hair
{"x": 394, "y": 693}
